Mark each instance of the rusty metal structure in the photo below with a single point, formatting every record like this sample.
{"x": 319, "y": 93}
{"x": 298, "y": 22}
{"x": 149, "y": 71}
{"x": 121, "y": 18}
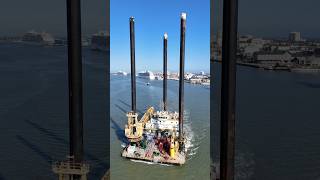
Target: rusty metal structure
{"x": 70, "y": 170}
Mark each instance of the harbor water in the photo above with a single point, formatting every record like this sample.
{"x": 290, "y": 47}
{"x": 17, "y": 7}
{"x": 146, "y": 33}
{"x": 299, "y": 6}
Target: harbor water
{"x": 34, "y": 111}
{"x": 196, "y": 127}
{"x": 278, "y": 127}
{"x": 277, "y": 124}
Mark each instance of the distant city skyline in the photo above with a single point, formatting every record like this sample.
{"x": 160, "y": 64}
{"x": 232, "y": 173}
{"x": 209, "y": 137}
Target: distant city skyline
{"x": 278, "y": 18}
{"x": 274, "y": 18}
{"x": 152, "y": 20}
{"x": 160, "y": 71}
{"x": 18, "y": 17}
{"x": 262, "y": 18}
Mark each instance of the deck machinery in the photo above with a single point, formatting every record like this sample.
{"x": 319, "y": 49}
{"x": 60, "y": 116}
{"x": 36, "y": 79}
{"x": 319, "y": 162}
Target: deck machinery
{"x": 158, "y": 136}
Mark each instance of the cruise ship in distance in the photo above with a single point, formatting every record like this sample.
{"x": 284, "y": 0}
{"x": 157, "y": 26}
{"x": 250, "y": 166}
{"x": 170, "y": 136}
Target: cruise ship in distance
{"x": 38, "y": 38}
{"x": 99, "y": 41}
{"x": 122, "y": 73}
{"x": 146, "y": 75}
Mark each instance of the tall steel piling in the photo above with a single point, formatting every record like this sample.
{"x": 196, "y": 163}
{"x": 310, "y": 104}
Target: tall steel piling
{"x": 75, "y": 79}
{"x": 165, "y": 45}
{"x": 181, "y": 74}
{"x": 133, "y": 66}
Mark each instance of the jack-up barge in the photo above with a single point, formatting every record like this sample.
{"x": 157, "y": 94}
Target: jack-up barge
{"x": 158, "y": 136}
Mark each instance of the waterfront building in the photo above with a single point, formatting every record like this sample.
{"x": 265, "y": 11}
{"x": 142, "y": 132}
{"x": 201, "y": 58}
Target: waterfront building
{"x": 188, "y": 76}
{"x": 173, "y": 76}
{"x": 195, "y": 81}
{"x": 283, "y": 48}
{"x": 257, "y": 41}
{"x": 35, "y": 37}
{"x": 251, "y": 49}
{"x": 248, "y": 45}
{"x": 244, "y": 39}
{"x": 100, "y": 41}
{"x": 313, "y": 61}
{"x": 275, "y": 57}
{"x": 294, "y": 37}
{"x": 300, "y": 58}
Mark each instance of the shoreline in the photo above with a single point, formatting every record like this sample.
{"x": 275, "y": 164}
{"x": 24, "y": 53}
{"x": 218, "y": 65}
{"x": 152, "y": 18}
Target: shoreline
{"x": 169, "y": 79}
{"x": 279, "y": 68}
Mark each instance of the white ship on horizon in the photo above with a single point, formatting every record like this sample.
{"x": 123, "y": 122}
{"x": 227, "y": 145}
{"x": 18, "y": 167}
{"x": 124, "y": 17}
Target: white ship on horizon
{"x": 38, "y": 38}
{"x": 122, "y": 73}
{"x": 146, "y": 75}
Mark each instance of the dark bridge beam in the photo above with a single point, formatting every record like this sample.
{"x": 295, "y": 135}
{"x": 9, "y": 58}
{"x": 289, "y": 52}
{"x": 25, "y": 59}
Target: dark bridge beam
{"x": 228, "y": 88}
{"x": 75, "y": 79}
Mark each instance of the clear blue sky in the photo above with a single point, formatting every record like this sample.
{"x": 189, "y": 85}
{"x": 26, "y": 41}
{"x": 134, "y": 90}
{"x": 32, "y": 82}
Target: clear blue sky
{"x": 263, "y": 18}
{"x": 152, "y": 19}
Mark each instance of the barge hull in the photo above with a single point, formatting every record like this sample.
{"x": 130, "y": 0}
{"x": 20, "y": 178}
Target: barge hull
{"x": 178, "y": 162}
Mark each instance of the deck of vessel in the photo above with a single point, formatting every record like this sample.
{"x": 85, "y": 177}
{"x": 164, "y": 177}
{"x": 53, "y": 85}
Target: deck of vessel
{"x": 147, "y": 154}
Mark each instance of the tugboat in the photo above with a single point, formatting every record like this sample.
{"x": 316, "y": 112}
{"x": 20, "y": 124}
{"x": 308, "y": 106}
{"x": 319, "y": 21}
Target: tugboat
{"x": 158, "y": 135}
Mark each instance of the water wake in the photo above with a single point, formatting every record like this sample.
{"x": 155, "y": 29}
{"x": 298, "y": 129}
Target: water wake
{"x": 191, "y": 144}
{"x": 150, "y": 163}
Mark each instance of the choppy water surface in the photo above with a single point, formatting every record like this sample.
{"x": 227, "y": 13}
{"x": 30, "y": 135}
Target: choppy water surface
{"x": 277, "y": 124}
{"x": 34, "y": 111}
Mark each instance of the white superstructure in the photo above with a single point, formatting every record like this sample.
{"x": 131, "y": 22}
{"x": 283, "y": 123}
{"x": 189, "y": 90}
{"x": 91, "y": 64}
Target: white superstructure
{"x": 35, "y": 37}
{"x": 122, "y": 73}
{"x": 146, "y": 75}
{"x": 164, "y": 120}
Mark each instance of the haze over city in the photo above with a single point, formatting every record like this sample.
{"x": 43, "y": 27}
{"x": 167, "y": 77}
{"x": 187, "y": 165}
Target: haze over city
{"x": 274, "y": 19}
{"x": 18, "y": 17}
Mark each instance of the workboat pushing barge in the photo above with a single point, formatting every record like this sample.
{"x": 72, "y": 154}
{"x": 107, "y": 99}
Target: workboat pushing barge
{"x": 158, "y": 136}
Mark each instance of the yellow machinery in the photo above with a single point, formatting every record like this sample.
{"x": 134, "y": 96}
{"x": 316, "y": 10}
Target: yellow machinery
{"x": 172, "y": 148}
{"x": 134, "y": 128}
{"x": 147, "y": 116}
